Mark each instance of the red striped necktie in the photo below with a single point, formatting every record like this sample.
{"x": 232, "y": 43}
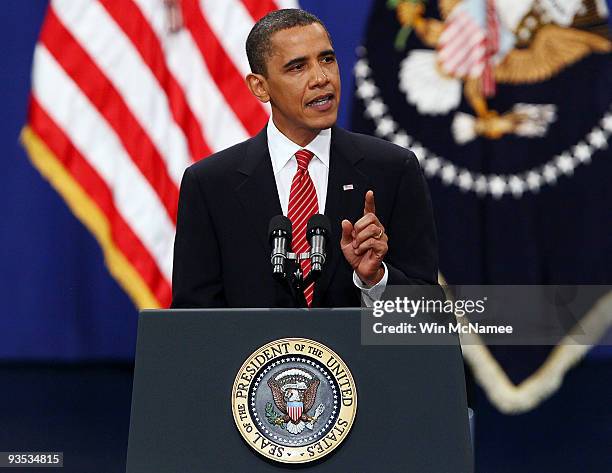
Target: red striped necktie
{"x": 303, "y": 204}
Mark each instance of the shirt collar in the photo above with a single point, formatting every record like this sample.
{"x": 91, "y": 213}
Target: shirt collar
{"x": 282, "y": 148}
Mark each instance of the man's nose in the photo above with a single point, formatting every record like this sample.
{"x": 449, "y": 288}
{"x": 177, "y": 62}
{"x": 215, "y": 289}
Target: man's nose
{"x": 320, "y": 78}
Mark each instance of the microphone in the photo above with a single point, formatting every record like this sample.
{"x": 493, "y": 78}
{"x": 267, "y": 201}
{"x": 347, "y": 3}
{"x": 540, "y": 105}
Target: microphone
{"x": 279, "y": 235}
{"x": 317, "y": 233}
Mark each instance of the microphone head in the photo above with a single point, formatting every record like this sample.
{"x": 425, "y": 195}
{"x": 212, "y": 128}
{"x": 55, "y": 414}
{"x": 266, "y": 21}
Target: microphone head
{"x": 318, "y": 222}
{"x": 279, "y": 223}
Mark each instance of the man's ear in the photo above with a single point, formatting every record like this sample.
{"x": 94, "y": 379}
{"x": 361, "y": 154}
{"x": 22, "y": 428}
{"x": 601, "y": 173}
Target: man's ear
{"x": 258, "y": 86}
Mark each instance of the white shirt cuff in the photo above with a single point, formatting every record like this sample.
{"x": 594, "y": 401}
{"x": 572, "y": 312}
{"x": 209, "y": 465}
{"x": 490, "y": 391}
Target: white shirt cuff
{"x": 374, "y": 293}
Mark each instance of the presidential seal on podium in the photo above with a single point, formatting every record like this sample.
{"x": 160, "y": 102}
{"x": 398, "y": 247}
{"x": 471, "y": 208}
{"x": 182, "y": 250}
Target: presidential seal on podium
{"x": 294, "y": 400}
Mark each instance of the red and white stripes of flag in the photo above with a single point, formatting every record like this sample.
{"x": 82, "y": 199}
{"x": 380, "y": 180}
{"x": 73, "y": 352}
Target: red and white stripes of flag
{"x": 125, "y": 95}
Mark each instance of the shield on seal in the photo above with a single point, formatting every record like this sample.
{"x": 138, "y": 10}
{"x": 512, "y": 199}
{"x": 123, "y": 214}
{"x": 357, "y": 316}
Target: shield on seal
{"x": 294, "y": 409}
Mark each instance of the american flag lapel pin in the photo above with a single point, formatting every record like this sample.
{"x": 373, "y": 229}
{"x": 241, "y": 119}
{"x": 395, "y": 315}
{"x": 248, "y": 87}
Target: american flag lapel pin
{"x": 347, "y": 187}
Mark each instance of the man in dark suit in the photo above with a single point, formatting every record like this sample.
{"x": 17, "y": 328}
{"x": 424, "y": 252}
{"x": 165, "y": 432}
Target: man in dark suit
{"x": 222, "y": 252}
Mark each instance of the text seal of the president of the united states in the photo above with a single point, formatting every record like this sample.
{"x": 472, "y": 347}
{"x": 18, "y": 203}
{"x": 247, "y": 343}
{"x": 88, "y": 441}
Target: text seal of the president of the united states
{"x": 294, "y": 400}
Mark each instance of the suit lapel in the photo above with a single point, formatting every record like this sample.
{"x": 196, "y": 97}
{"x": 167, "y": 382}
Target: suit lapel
{"x": 258, "y": 195}
{"x": 257, "y": 192}
{"x": 341, "y": 204}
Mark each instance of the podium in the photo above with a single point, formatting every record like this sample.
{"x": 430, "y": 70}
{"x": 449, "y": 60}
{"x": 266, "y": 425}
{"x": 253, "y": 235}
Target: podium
{"x": 411, "y": 414}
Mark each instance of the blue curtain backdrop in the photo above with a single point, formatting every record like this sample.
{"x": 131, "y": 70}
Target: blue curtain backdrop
{"x": 58, "y": 300}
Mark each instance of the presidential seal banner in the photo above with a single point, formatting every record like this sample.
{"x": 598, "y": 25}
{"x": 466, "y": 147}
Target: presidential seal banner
{"x": 294, "y": 400}
{"x": 508, "y": 106}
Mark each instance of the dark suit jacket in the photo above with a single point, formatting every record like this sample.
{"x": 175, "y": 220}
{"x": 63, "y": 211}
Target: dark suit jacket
{"x": 222, "y": 253}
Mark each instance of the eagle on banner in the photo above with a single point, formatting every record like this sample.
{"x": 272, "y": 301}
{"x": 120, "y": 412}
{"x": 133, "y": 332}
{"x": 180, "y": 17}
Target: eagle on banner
{"x": 480, "y": 43}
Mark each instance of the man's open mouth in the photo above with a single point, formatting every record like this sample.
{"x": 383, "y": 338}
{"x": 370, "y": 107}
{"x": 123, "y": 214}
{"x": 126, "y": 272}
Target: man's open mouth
{"x": 321, "y": 101}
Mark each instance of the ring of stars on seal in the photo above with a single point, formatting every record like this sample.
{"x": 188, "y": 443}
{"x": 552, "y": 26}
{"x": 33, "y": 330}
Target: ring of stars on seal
{"x": 325, "y": 374}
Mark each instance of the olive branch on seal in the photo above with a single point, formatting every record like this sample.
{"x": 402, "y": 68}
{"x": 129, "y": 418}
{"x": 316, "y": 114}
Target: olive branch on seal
{"x": 407, "y": 11}
{"x": 272, "y": 417}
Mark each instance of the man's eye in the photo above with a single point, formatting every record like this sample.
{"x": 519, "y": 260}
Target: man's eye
{"x": 297, "y": 67}
{"x": 329, "y": 59}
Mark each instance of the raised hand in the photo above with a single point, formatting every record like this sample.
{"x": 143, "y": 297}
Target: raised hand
{"x": 365, "y": 243}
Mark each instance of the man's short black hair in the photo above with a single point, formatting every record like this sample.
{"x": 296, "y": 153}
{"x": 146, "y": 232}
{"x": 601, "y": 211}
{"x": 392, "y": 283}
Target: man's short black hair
{"x": 258, "y": 43}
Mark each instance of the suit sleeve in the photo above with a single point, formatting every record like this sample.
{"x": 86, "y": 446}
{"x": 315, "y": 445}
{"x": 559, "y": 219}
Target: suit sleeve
{"x": 413, "y": 249}
{"x": 196, "y": 273}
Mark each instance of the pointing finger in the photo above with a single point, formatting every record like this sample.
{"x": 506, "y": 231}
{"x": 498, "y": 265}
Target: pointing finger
{"x": 369, "y": 206}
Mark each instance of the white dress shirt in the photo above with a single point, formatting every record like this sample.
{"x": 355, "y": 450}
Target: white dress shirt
{"x": 284, "y": 165}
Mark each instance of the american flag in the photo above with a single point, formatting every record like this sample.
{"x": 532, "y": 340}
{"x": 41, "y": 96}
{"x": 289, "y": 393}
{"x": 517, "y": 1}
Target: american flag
{"x": 125, "y": 95}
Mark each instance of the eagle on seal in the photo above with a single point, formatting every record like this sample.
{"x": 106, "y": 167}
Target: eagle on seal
{"x": 294, "y": 392}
